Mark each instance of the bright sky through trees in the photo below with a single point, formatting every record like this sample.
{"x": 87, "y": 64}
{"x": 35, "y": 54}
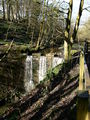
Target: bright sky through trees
{"x": 85, "y": 14}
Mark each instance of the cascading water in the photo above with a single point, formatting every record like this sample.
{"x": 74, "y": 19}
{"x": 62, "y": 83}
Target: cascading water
{"x": 30, "y": 74}
{"x": 56, "y": 61}
{"x": 29, "y": 85}
{"x": 42, "y": 68}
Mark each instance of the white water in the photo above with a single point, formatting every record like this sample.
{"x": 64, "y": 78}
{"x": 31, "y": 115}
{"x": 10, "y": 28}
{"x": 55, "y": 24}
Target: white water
{"x": 56, "y": 61}
{"x": 28, "y": 80}
{"x": 42, "y": 68}
{"x": 29, "y": 85}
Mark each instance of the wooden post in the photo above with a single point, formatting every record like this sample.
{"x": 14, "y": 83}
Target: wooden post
{"x": 81, "y": 74}
{"x": 83, "y": 95}
{"x": 82, "y": 105}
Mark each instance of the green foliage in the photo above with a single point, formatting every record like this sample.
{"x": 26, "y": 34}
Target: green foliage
{"x": 51, "y": 73}
{"x": 86, "y": 32}
{"x": 16, "y": 31}
{"x": 3, "y": 109}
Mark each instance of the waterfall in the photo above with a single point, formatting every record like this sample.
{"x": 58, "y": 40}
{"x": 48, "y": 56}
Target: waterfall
{"x": 56, "y": 61}
{"x": 29, "y": 85}
{"x": 30, "y": 75}
{"x": 42, "y": 68}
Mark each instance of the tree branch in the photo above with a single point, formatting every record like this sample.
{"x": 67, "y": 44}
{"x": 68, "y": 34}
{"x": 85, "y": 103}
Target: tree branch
{"x": 86, "y": 9}
{"x": 7, "y": 51}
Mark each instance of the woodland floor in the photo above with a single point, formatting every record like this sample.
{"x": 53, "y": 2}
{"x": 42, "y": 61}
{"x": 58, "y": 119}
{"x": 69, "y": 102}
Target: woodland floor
{"x": 53, "y": 99}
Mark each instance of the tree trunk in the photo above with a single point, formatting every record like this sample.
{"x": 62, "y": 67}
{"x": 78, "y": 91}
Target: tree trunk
{"x": 66, "y": 50}
{"x": 41, "y": 27}
{"x": 77, "y": 21}
{"x": 3, "y": 5}
{"x": 67, "y": 45}
{"x": 8, "y": 11}
{"x": 12, "y": 13}
{"x": 69, "y": 40}
{"x": 40, "y": 35}
{"x": 17, "y": 10}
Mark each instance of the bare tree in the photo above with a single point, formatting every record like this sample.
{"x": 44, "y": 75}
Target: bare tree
{"x": 71, "y": 38}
